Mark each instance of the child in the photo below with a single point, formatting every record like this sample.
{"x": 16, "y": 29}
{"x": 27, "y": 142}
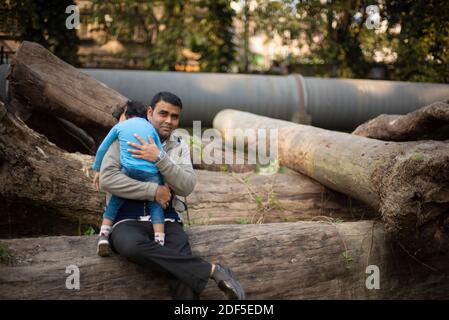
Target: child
{"x": 135, "y": 122}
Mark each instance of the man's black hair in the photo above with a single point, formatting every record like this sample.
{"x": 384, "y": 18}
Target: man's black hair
{"x": 167, "y": 97}
{"x": 136, "y": 109}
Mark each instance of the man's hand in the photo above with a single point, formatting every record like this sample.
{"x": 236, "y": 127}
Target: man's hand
{"x": 96, "y": 182}
{"x": 146, "y": 151}
{"x": 163, "y": 196}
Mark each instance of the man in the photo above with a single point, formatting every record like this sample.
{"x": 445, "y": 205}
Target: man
{"x": 132, "y": 234}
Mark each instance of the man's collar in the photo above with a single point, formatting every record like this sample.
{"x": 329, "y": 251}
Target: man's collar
{"x": 172, "y": 139}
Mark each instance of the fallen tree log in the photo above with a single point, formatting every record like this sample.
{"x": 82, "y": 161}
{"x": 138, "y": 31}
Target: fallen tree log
{"x": 216, "y": 151}
{"x": 63, "y": 133}
{"x": 40, "y": 81}
{"x": 408, "y": 182}
{"x": 424, "y": 123}
{"x": 302, "y": 260}
{"x": 251, "y": 198}
{"x": 37, "y": 173}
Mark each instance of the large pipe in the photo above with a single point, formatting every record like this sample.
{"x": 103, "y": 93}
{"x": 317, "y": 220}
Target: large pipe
{"x": 205, "y": 94}
{"x": 339, "y": 104}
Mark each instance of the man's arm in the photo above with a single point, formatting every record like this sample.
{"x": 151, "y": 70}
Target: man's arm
{"x": 180, "y": 176}
{"x": 117, "y": 183}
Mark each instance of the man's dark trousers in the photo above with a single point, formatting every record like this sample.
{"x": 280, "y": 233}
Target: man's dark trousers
{"x": 187, "y": 275}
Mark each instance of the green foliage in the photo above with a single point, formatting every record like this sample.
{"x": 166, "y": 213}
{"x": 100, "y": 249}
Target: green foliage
{"x": 259, "y": 201}
{"x": 4, "y": 252}
{"x": 169, "y": 27}
{"x": 338, "y": 220}
{"x": 242, "y": 221}
{"x": 413, "y": 34}
{"x": 422, "y": 45}
{"x": 417, "y": 157}
{"x": 89, "y": 231}
{"x": 212, "y": 36}
{"x": 336, "y": 35}
{"x": 348, "y": 258}
{"x": 41, "y": 21}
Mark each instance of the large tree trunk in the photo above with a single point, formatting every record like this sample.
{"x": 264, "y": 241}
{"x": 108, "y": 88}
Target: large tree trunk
{"x": 431, "y": 121}
{"x": 407, "y": 182}
{"x": 39, "y": 175}
{"x": 302, "y": 260}
{"x": 40, "y": 81}
{"x": 251, "y": 198}
{"x": 216, "y": 151}
{"x": 36, "y": 172}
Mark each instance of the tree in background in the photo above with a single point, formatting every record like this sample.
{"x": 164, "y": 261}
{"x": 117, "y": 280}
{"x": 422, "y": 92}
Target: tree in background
{"x": 412, "y": 38}
{"x": 212, "y": 35}
{"x": 329, "y": 29}
{"x": 422, "y": 45}
{"x": 41, "y": 21}
{"x": 169, "y": 27}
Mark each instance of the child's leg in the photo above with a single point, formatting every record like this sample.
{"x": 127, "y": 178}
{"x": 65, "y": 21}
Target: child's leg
{"x": 110, "y": 213}
{"x": 106, "y": 227}
{"x": 111, "y": 210}
{"x": 158, "y": 220}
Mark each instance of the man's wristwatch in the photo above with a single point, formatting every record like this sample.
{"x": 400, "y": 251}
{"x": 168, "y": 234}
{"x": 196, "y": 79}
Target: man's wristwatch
{"x": 160, "y": 155}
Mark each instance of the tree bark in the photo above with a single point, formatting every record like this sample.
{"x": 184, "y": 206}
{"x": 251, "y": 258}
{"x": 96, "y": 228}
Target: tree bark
{"x": 216, "y": 150}
{"x": 40, "y": 81}
{"x": 302, "y": 260}
{"x": 221, "y": 198}
{"x": 407, "y": 182}
{"x": 424, "y": 123}
{"x": 37, "y": 173}
{"x": 34, "y": 171}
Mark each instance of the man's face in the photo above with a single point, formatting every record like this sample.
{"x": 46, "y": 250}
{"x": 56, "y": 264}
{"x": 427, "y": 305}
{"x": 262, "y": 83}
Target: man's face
{"x": 164, "y": 117}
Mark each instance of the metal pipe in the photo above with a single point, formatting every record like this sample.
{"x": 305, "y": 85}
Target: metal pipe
{"x": 343, "y": 104}
{"x": 339, "y": 104}
{"x": 205, "y": 94}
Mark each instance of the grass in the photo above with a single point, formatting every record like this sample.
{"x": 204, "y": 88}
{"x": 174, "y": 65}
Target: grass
{"x": 89, "y": 231}
{"x": 418, "y": 157}
{"x": 242, "y": 221}
{"x": 5, "y": 252}
{"x": 348, "y": 258}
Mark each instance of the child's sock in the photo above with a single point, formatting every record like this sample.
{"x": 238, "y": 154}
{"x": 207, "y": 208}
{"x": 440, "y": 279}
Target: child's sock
{"x": 105, "y": 230}
{"x": 159, "y": 237}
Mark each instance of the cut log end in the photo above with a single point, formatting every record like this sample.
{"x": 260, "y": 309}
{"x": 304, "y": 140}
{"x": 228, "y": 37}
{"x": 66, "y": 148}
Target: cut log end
{"x": 415, "y": 198}
{"x": 428, "y": 122}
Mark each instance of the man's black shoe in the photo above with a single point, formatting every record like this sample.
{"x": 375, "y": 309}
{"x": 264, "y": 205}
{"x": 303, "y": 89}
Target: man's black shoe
{"x": 225, "y": 279}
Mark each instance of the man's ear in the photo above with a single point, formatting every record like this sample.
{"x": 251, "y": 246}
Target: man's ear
{"x": 149, "y": 112}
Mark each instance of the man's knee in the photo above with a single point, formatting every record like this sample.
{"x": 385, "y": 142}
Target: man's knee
{"x": 125, "y": 244}
{"x": 176, "y": 238}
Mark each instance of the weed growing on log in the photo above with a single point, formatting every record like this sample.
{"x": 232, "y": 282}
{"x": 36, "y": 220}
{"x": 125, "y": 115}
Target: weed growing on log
{"x": 242, "y": 221}
{"x": 348, "y": 258}
{"x": 89, "y": 231}
{"x": 4, "y": 252}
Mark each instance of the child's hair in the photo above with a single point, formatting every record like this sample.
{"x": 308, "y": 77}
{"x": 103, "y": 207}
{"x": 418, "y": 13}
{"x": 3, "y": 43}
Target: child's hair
{"x": 135, "y": 109}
